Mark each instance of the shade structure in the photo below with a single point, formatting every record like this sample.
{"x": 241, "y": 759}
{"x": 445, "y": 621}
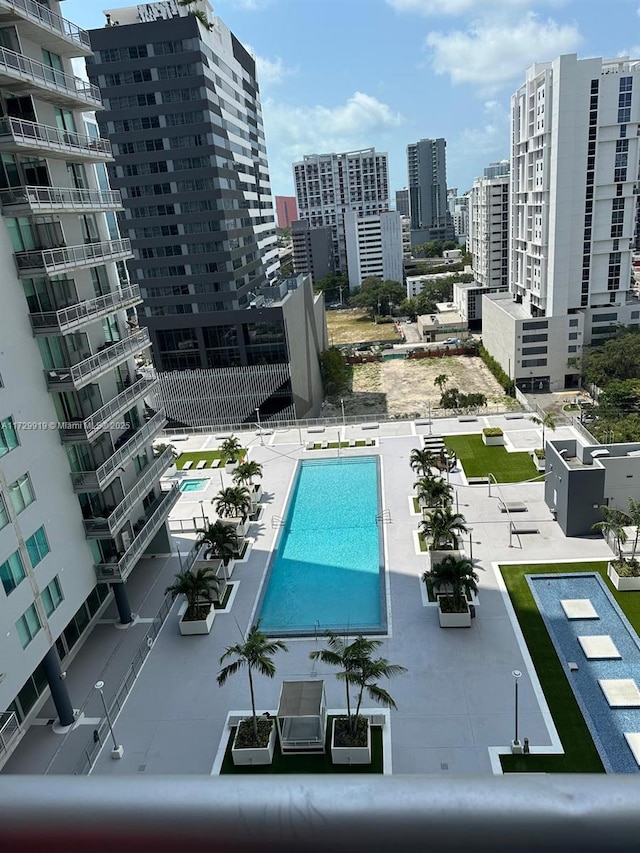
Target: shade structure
{"x": 302, "y": 716}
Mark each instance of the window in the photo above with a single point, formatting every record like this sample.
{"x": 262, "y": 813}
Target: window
{"x": 52, "y": 596}
{"x": 4, "y": 515}
{"x": 37, "y": 546}
{"x": 624, "y": 116}
{"x": 626, "y": 84}
{"x": 573, "y": 336}
{"x": 534, "y": 362}
{"x": 605, "y": 318}
{"x": 28, "y": 626}
{"x": 534, "y": 350}
{"x": 532, "y": 339}
{"x": 12, "y": 572}
{"x": 8, "y": 436}
{"x": 21, "y": 493}
{"x": 535, "y": 324}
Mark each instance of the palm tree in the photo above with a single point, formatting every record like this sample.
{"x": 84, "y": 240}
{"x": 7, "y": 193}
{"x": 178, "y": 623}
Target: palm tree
{"x": 358, "y": 667}
{"x": 443, "y": 526}
{"x": 232, "y": 502}
{"x": 547, "y": 421}
{"x": 633, "y": 513}
{"x": 457, "y": 573}
{"x": 440, "y": 381}
{"x": 421, "y": 461}
{"x": 254, "y": 654}
{"x": 612, "y": 524}
{"x": 231, "y": 450}
{"x": 221, "y": 539}
{"x": 433, "y": 491}
{"x": 197, "y": 587}
{"x": 245, "y": 472}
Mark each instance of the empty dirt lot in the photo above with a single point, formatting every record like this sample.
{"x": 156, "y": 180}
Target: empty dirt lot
{"x": 352, "y": 326}
{"x": 406, "y": 387}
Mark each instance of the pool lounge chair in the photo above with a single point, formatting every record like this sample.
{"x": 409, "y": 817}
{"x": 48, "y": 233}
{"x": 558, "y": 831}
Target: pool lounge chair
{"x": 201, "y": 464}
{"x": 187, "y": 465}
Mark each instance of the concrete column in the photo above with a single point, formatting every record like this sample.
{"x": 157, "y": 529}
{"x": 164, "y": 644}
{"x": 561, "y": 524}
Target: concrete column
{"x": 58, "y": 687}
{"x": 122, "y": 603}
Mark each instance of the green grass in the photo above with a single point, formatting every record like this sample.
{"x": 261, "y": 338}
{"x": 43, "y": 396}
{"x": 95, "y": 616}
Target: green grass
{"x": 220, "y": 605}
{"x": 478, "y": 460}
{"x": 580, "y": 755}
{"x": 309, "y": 763}
{"x": 196, "y": 456}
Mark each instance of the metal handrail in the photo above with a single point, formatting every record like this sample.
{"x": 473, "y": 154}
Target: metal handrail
{"x": 76, "y": 314}
{"x": 102, "y": 360}
{"x": 23, "y": 66}
{"x": 9, "y": 727}
{"x": 60, "y": 196}
{"x": 43, "y": 15}
{"x": 70, "y": 256}
{"x": 43, "y": 133}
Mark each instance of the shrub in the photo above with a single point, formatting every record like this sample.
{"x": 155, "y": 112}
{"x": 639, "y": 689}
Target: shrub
{"x": 627, "y": 568}
{"x": 539, "y": 453}
{"x": 508, "y": 385}
{"x": 492, "y": 431}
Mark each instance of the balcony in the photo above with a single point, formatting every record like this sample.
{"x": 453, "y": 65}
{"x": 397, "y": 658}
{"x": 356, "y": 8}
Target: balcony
{"x": 74, "y": 317}
{"x": 17, "y": 135}
{"x": 99, "y": 528}
{"x": 81, "y": 374}
{"x": 20, "y": 75}
{"x": 118, "y": 572}
{"x": 102, "y": 419}
{"x": 54, "y": 261}
{"x": 93, "y": 481}
{"x": 41, "y": 25}
{"x": 25, "y": 200}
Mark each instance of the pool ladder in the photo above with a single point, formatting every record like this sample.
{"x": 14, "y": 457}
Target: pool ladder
{"x": 277, "y": 521}
{"x": 384, "y": 517}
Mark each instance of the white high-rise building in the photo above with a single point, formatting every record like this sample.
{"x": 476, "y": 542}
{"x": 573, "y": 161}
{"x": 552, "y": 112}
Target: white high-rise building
{"x": 374, "y": 246}
{"x": 80, "y": 496}
{"x": 330, "y": 185}
{"x": 573, "y": 201}
{"x": 488, "y": 237}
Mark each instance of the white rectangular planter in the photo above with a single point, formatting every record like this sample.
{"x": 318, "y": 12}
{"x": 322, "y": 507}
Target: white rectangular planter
{"x": 230, "y": 467}
{"x": 539, "y": 463}
{"x": 255, "y": 755}
{"x": 240, "y": 527}
{"x": 492, "y": 440}
{"x": 198, "y": 626}
{"x": 454, "y": 620}
{"x": 350, "y": 754}
{"x": 255, "y": 492}
{"x": 622, "y": 584}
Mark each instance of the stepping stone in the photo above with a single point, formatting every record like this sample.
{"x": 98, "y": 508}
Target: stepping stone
{"x": 620, "y": 692}
{"x": 633, "y": 740}
{"x": 578, "y": 608}
{"x": 599, "y": 647}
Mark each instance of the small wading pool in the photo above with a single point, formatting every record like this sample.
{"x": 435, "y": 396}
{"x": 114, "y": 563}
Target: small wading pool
{"x": 193, "y": 485}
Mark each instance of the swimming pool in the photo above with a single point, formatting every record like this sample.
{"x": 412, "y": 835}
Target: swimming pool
{"x": 193, "y": 485}
{"x": 607, "y": 725}
{"x": 327, "y": 569}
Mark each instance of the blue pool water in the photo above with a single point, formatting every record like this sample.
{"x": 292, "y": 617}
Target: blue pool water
{"x": 326, "y": 572}
{"x": 607, "y": 725}
{"x": 193, "y": 485}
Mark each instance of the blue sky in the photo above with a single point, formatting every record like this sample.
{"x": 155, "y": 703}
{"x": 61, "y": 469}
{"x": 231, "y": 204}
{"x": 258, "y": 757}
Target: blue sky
{"x": 337, "y": 75}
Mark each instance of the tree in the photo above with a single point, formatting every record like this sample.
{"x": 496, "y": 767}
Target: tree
{"x": 421, "y": 461}
{"x": 232, "y": 502}
{"x": 231, "y": 450}
{"x": 198, "y": 588}
{"x": 440, "y": 381}
{"x": 443, "y": 527}
{"x": 334, "y": 371}
{"x": 617, "y": 358}
{"x": 432, "y": 492}
{"x": 633, "y": 512}
{"x": 375, "y": 295}
{"x": 547, "y": 421}
{"x": 254, "y": 654}
{"x": 619, "y": 397}
{"x": 245, "y": 472}
{"x": 612, "y": 524}
{"x": 333, "y": 286}
{"x": 458, "y": 574}
{"x": 221, "y": 539}
{"x": 360, "y": 668}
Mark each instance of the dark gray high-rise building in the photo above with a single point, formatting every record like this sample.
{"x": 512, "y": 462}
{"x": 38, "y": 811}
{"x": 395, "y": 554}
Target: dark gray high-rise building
{"x": 312, "y": 250}
{"x": 402, "y": 202}
{"x": 427, "y": 171}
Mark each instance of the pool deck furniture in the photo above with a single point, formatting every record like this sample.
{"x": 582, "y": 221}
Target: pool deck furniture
{"x": 512, "y": 416}
{"x": 463, "y": 419}
{"x": 524, "y": 527}
{"x": 478, "y": 481}
{"x": 633, "y": 741}
{"x": 187, "y": 465}
{"x": 324, "y": 445}
{"x": 620, "y": 692}
{"x": 372, "y": 425}
{"x": 578, "y": 608}
{"x": 599, "y": 647}
{"x": 201, "y": 464}
{"x": 315, "y": 429}
{"x": 513, "y": 506}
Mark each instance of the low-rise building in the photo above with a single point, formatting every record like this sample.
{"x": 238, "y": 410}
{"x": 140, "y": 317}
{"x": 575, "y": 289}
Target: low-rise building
{"x": 444, "y": 324}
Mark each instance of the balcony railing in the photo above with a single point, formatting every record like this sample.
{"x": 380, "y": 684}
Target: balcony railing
{"x": 53, "y": 261}
{"x": 58, "y": 199}
{"x": 99, "y": 527}
{"x": 43, "y": 17}
{"x": 91, "y": 368}
{"x": 63, "y": 89}
{"x": 106, "y": 416}
{"x": 74, "y": 316}
{"x": 9, "y": 730}
{"x": 119, "y": 571}
{"x": 91, "y": 481}
{"x": 22, "y": 134}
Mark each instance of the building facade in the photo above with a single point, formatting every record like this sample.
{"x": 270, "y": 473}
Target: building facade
{"x": 573, "y": 208}
{"x": 330, "y": 185}
{"x": 286, "y": 210}
{"x": 374, "y": 246}
{"x": 402, "y": 202}
{"x": 80, "y": 496}
{"x": 427, "y": 176}
{"x": 312, "y": 250}
{"x": 488, "y": 237}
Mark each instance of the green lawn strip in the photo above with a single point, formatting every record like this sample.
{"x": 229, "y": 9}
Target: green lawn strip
{"x": 196, "y": 456}
{"x": 220, "y": 605}
{"x": 416, "y": 506}
{"x": 478, "y": 460}
{"x": 309, "y": 763}
{"x": 424, "y": 545}
{"x": 580, "y": 756}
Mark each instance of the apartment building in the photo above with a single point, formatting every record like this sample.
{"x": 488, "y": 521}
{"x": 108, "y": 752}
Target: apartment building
{"x": 312, "y": 250}
{"x": 488, "y": 238}
{"x": 374, "y": 246}
{"x": 573, "y": 207}
{"x": 286, "y": 210}
{"x": 330, "y": 185}
{"x": 402, "y": 202}
{"x": 80, "y": 496}
{"x": 427, "y": 176}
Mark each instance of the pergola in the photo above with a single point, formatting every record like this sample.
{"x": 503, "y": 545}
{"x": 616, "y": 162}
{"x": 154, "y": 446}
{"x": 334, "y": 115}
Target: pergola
{"x": 302, "y": 716}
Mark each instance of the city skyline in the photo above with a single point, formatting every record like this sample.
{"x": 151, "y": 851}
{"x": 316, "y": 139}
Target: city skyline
{"x": 417, "y": 69}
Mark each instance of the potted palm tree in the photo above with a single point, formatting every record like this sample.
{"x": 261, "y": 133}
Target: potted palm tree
{"x": 452, "y": 581}
{"x": 219, "y": 545}
{"x": 231, "y": 452}
{"x": 422, "y": 461}
{"x": 433, "y": 492}
{"x": 351, "y": 735}
{"x": 623, "y": 572}
{"x": 255, "y": 739}
{"x": 200, "y": 588}
{"x": 547, "y": 421}
{"x": 442, "y": 527}
{"x": 233, "y": 504}
{"x": 243, "y": 476}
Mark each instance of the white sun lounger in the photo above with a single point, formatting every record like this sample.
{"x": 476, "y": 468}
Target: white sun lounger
{"x": 187, "y": 465}
{"x": 201, "y": 464}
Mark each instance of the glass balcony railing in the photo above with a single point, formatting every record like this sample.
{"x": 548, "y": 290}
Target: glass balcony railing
{"x": 107, "y": 415}
{"x": 58, "y": 199}
{"x": 38, "y": 14}
{"x": 53, "y": 261}
{"x": 18, "y": 135}
{"x": 88, "y": 370}
{"x": 120, "y": 569}
{"x": 74, "y": 316}
{"x": 54, "y": 85}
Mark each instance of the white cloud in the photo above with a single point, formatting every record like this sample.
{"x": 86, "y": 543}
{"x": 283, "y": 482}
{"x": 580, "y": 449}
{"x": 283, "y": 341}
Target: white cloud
{"x": 489, "y": 141}
{"x": 632, "y": 52}
{"x": 270, "y": 71}
{"x": 435, "y": 8}
{"x": 490, "y": 54}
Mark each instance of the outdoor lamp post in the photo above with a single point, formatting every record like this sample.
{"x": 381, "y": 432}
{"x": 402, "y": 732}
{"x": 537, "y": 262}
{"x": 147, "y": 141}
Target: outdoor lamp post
{"x": 516, "y": 746}
{"x": 259, "y": 425}
{"x": 118, "y": 749}
{"x": 204, "y": 517}
{"x": 470, "y": 529}
{"x": 342, "y": 407}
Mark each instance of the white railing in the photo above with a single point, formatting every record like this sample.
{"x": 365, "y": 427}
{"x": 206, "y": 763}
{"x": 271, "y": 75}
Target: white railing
{"x": 103, "y": 417}
{"x": 9, "y": 728}
{"x": 38, "y": 198}
{"x": 43, "y": 16}
{"x": 69, "y": 257}
{"x": 30, "y": 132}
{"x": 96, "y": 364}
{"x": 21, "y": 67}
{"x": 87, "y": 311}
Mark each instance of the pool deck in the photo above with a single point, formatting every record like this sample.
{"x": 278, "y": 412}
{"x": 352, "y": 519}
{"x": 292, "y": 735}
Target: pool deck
{"x": 455, "y": 703}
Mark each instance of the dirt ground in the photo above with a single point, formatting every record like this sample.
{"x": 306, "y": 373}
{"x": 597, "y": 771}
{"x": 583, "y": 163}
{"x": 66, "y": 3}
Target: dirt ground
{"x": 352, "y": 326}
{"x": 405, "y": 387}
